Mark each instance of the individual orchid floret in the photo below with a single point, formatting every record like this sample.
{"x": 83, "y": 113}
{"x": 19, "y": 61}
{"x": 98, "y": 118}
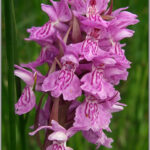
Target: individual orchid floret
{"x": 95, "y": 115}
{"x": 95, "y": 14}
{"x": 40, "y": 34}
{"x": 59, "y": 13}
{"x": 92, "y": 114}
{"x": 59, "y": 136}
{"x": 64, "y": 81}
{"x": 117, "y": 27}
{"x": 95, "y": 83}
{"x": 27, "y": 100}
{"x": 89, "y": 48}
{"x": 115, "y": 68}
{"x": 99, "y": 138}
{"x": 93, "y": 10}
{"x": 113, "y": 35}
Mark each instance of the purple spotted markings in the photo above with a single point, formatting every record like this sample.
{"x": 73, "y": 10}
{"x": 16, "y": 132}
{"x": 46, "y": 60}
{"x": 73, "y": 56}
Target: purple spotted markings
{"x": 90, "y": 46}
{"x": 65, "y": 76}
{"x": 57, "y": 146}
{"x": 97, "y": 76}
{"x": 91, "y": 108}
{"x": 40, "y": 32}
{"x": 26, "y": 101}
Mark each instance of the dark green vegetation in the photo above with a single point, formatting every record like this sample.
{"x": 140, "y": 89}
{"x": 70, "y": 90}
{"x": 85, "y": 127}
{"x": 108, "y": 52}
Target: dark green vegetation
{"x": 129, "y": 127}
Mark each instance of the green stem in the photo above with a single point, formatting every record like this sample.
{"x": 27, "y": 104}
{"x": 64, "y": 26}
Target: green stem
{"x": 10, "y": 47}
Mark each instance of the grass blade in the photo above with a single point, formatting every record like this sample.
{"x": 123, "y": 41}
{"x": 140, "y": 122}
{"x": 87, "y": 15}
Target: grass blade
{"x": 10, "y": 47}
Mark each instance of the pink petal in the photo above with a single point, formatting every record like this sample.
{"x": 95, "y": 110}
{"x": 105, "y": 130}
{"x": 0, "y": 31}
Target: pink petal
{"x": 49, "y": 82}
{"x": 26, "y": 102}
{"x": 58, "y": 136}
{"x": 50, "y": 11}
{"x": 73, "y": 90}
{"x": 63, "y": 12}
{"x": 25, "y": 75}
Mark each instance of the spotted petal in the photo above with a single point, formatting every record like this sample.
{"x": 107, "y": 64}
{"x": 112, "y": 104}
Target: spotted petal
{"x": 26, "y": 101}
{"x": 92, "y": 115}
{"x": 39, "y": 34}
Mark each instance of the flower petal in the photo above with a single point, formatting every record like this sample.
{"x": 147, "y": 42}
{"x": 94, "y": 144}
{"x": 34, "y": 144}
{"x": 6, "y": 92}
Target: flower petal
{"x": 26, "y": 102}
{"x": 25, "y": 75}
{"x": 73, "y": 90}
{"x": 63, "y": 12}
{"x": 58, "y": 136}
{"x": 39, "y": 34}
{"x": 50, "y": 11}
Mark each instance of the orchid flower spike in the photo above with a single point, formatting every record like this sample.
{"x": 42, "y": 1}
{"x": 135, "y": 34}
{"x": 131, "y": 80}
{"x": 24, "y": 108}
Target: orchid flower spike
{"x": 81, "y": 43}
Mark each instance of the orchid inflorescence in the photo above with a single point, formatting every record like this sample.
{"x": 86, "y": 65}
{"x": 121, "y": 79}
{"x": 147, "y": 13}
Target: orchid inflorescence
{"x": 81, "y": 45}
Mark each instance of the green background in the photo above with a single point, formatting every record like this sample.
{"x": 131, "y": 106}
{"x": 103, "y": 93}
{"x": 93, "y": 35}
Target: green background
{"x": 129, "y": 127}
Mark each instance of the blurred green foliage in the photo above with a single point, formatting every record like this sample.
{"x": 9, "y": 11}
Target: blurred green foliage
{"x": 129, "y": 127}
